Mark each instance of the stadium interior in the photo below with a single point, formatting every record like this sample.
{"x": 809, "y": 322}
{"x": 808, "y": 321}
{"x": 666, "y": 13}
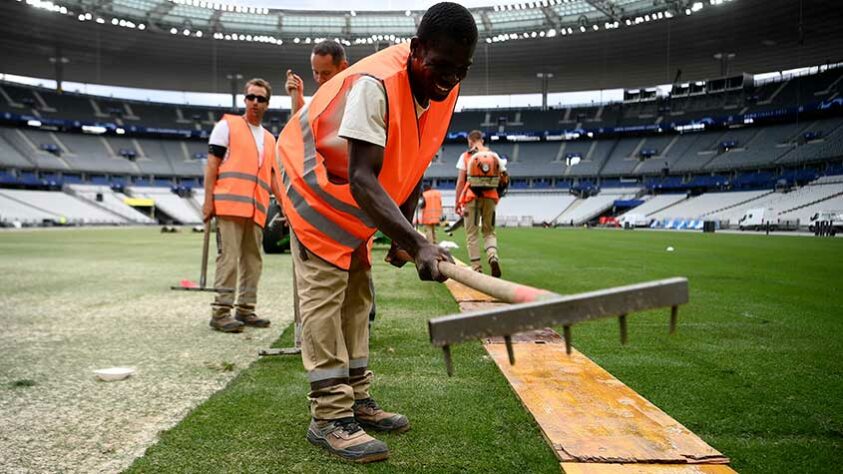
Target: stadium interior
{"x": 704, "y": 148}
{"x": 675, "y": 185}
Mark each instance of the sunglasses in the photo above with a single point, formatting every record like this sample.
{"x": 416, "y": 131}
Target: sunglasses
{"x": 258, "y": 98}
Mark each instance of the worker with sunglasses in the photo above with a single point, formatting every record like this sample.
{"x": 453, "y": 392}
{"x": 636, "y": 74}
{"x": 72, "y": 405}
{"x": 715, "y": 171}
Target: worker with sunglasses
{"x": 240, "y": 174}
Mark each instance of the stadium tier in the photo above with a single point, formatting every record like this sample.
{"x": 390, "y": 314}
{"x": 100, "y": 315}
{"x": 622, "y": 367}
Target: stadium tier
{"x": 709, "y": 155}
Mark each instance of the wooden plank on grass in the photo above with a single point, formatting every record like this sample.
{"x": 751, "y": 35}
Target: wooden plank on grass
{"x": 596, "y": 468}
{"x": 588, "y": 415}
{"x": 593, "y": 421}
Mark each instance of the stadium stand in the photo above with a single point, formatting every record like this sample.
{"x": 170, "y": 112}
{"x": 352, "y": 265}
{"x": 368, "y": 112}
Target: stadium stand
{"x": 656, "y": 204}
{"x": 179, "y": 209}
{"x": 584, "y": 210}
{"x": 784, "y": 205}
{"x": 539, "y": 207}
{"x": 769, "y": 151}
{"x": 707, "y": 204}
{"x": 14, "y": 210}
{"x": 104, "y": 196}
{"x": 61, "y": 206}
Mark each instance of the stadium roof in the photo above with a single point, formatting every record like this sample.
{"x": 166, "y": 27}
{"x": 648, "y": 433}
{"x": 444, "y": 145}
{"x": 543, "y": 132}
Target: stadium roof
{"x": 586, "y": 45}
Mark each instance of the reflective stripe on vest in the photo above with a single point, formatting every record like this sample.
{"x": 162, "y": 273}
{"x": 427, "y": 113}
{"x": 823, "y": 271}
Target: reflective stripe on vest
{"x": 243, "y": 199}
{"x": 316, "y": 219}
{"x": 317, "y": 197}
{"x": 242, "y": 188}
{"x": 247, "y": 177}
{"x": 310, "y": 174}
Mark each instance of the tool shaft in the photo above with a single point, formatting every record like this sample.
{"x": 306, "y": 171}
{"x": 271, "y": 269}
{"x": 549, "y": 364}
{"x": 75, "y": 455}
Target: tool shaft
{"x": 500, "y": 289}
{"x": 206, "y": 242}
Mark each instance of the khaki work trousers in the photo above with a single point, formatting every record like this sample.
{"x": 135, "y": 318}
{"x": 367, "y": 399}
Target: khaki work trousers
{"x": 239, "y": 264}
{"x": 430, "y": 232}
{"x": 334, "y": 305}
{"x": 480, "y": 217}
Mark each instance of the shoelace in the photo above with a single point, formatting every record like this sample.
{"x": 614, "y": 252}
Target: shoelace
{"x": 348, "y": 425}
{"x": 369, "y": 403}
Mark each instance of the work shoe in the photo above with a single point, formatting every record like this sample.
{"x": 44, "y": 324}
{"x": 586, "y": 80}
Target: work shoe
{"x": 252, "y": 320}
{"x": 347, "y": 440}
{"x": 370, "y": 415}
{"x": 226, "y": 324}
{"x": 496, "y": 267}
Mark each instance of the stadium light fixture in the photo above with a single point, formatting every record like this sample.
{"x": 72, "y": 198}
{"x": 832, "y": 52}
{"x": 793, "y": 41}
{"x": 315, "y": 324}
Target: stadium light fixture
{"x": 33, "y": 123}
{"x": 100, "y": 21}
{"x": 93, "y": 129}
{"x": 173, "y": 30}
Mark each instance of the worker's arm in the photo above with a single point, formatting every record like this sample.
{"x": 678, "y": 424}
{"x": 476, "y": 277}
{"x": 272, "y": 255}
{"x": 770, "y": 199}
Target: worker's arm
{"x": 365, "y": 161}
{"x": 276, "y": 185}
{"x": 212, "y": 170}
{"x": 460, "y": 185}
{"x": 295, "y": 88}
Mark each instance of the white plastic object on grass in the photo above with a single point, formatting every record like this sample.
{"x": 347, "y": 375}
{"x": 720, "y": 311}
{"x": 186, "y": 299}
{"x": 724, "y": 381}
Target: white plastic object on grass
{"x": 447, "y": 244}
{"x": 669, "y": 249}
{"x": 114, "y": 373}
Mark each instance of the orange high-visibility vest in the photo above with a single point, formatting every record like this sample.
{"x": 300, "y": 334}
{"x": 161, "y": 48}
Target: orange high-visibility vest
{"x": 316, "y": 195}
{"x": 432, "y": 212}
{"x": 242, "y": 188}
{"x": 469, "y": 194}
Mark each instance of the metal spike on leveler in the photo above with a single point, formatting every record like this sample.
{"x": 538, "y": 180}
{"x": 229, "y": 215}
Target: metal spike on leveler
{"x": 674, "y": 316}
{"x": 449, "y": 366}
{"x": 566, "y": 334}
{"x": 510, "y": 351}
{"x": 622, "y": 322}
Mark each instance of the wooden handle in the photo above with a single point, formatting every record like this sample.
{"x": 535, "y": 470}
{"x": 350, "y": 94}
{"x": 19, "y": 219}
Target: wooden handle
{"x": 500, "y": 289}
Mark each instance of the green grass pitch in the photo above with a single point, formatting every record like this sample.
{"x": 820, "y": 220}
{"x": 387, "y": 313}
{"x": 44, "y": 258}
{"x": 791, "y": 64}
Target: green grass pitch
{"x": 755, "y": 368}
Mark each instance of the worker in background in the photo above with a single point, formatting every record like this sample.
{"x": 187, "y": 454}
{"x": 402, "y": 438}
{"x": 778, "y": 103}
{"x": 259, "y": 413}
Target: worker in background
{"x": 239, "y": 176}
{"x": 327, "y": 59}
{"x": 481, "y": 173}
{"x": 431, "y": 207}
